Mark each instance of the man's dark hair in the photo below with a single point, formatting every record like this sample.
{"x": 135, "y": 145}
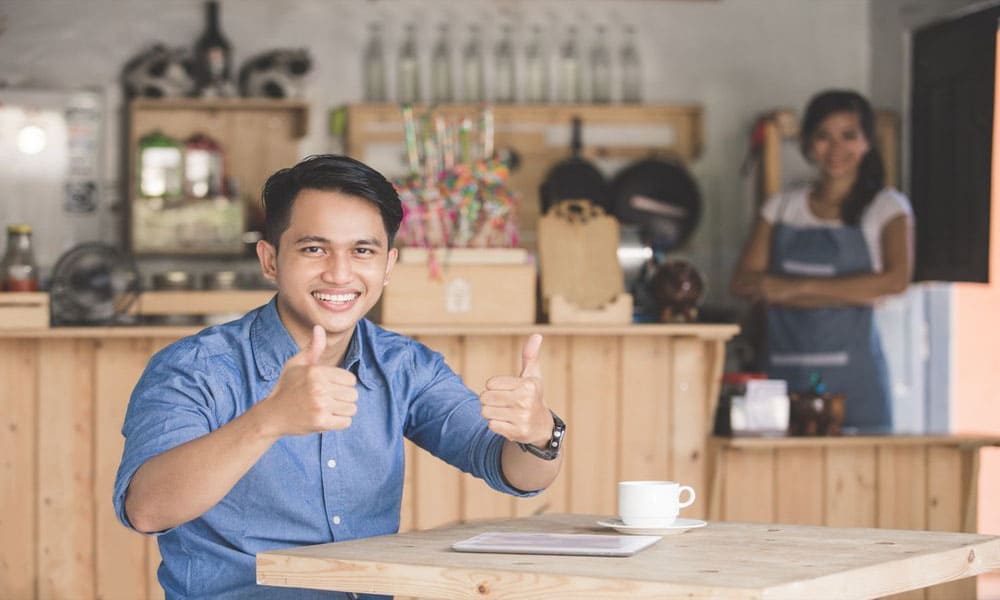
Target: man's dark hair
{"x": 871, "y": 171}
{"x": 328, "y": 172}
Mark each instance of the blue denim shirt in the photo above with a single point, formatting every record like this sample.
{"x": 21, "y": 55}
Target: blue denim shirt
{"x": 308, "y": 489}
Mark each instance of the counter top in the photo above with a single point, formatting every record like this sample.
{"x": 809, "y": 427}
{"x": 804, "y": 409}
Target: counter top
{"x": 761, "y": 443}
{"x": 721, "y": 331}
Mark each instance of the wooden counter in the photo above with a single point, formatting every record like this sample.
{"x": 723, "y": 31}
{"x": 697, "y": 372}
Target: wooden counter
{"x": 638, "y": 401}
{"x": 896, "y": 482}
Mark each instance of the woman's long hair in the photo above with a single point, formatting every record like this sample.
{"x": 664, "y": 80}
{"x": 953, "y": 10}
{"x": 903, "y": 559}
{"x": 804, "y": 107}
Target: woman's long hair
{"x": 871, "y": 171}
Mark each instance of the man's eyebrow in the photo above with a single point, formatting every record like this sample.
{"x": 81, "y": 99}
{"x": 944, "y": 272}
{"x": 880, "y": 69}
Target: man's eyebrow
{"x": 318, "y": 239}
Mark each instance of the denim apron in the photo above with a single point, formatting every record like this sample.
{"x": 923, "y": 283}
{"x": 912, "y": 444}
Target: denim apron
{"x": 840, "y": 344}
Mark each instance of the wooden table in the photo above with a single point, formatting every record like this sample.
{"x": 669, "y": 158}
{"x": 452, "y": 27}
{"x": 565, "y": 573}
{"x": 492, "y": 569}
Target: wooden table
{"x": 722, "y": 560}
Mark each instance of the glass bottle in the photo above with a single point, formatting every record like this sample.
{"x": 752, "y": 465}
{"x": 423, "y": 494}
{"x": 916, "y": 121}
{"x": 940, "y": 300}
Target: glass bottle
{"x": 570, "y": 84}
{"x": 631, "y": 72}
{"x": 18, "y": 270}
{"x": 408, "y": 74}
{"x": 213, "y": 57}
{"x": 374, "y": 66}
{"x": 536, "y": 69}
{"x": 473, "y": 82}
{"x": 505, "y": 76}
{"x": 441, "y": 89}
{"x": 600, "y": 68}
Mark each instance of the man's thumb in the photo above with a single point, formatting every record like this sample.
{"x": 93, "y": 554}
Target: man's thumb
{"x": 314, "y": 351}
{"x": 530, "y": 362}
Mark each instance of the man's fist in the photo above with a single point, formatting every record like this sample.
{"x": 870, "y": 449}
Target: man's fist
{"x": 311, "y": 397}
{"x": 513, "y": 405}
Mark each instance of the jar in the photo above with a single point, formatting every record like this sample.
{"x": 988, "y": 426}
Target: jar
{"x": 18, "y": 271}
{"x": 733, "y": 385}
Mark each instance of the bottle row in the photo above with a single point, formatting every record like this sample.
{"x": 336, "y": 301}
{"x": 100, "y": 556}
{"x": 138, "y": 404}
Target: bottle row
{"x": 582, "y": 74}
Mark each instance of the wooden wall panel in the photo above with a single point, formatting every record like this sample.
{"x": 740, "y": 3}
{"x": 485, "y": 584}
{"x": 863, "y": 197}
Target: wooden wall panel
{"x": 121, "y": 554}
{"x": 850, "y": 487}
{"x": 594, "y": 443}
{"x": 18, "y": 467}
{"x": 748, "y": 492}
{"x": 65, "y": 469}
{"x": 645, "y": 414}
{"x": 799, "y": 485}
{"x": 689, "y": 424}
{"x": 902, "y": 485}
{"x": 486, "y": 356}
{"x": 945, "y": 511}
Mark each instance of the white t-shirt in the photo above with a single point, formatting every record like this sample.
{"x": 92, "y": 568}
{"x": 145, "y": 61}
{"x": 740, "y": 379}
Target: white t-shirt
{"x": 887, "y": 204}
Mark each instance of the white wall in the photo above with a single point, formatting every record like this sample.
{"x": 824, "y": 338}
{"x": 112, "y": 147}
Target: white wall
{"x": 735, "y": 57}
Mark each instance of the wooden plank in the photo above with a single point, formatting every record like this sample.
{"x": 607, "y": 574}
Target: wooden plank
{"x": 689, "y": 424}
{"x": 18, "y": 467}
{"x": 748, "y": 494}
{"x": 902, "y": 499}
{"x": 437, "y": 486}
{"x": 65, "y": 469}
{"x": 945, "y": 510}
{"x": 799, "y": 481}
{"x": 645, "y": 410}
{"x": 902, "y": 485}
{"x": 555, "y": 379}
{"x": 850, "y": 487}
{"x": 121, "y": 569}
{"x": 484, "y": 357}
{"x": 594, "y": 408}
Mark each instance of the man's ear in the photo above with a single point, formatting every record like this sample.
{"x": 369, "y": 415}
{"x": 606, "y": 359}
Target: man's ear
{"x": 390, "y": 263}
{"x": 268, "y": 257}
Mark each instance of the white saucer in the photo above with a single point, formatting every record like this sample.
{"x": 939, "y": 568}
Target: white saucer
{"x": 678, "y": 526}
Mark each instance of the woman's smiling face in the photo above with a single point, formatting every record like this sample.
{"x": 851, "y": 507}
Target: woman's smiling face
{"x": 839, "y": 145}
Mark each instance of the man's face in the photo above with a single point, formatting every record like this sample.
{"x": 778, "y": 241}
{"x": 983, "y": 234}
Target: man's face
{"x": 331, "y": 264}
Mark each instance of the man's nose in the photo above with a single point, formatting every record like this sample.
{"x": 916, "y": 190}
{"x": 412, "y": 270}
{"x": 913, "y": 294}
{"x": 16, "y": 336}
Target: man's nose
{"x": 337, "y": 268}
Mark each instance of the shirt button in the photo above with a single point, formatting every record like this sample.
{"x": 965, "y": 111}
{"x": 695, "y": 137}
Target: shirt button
{"x": 336, "y": 519}
{"x": 331, "y": 463}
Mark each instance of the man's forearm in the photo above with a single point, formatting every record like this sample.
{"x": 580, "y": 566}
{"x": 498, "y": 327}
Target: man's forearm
{"x": 525, "y": 471}
{"x": 179, "y": 485}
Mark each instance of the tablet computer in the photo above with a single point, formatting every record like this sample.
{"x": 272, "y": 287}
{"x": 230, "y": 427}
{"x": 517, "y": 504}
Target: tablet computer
{"x": 577, "y": 544}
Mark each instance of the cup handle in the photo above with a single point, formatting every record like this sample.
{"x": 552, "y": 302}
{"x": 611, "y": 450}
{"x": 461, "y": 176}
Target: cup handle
{"x": 690, "y": 500}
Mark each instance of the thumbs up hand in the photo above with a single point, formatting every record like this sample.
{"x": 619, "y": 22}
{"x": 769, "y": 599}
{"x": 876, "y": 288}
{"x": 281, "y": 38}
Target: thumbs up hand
{"x": 311, "y": 397}
{"x": 513, "y": 405}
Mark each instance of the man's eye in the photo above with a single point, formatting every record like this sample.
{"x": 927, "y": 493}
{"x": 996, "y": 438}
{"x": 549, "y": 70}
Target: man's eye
{"x": 365, "y": 251}
{"x": 312, "y": 250}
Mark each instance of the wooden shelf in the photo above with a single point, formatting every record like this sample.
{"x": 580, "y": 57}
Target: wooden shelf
{"x": 540, "y": 134}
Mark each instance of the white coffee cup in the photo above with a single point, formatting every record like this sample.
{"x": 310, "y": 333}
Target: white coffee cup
{"x": 651, "y": 503}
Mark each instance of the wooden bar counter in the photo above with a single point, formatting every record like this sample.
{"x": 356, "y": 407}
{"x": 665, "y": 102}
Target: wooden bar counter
{"x": 895, "y": 482}
{"x": 638, "y": 400}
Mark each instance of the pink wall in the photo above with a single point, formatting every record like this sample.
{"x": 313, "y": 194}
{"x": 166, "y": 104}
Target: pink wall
{"x": 975, "y": 387}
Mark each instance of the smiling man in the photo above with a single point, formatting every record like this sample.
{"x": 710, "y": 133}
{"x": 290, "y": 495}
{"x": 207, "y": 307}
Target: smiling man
{"x": 286, "y": 427}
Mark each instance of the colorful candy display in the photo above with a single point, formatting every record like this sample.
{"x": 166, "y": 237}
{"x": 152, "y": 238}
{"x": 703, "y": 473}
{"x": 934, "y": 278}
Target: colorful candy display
{"x": 455, "y": 195}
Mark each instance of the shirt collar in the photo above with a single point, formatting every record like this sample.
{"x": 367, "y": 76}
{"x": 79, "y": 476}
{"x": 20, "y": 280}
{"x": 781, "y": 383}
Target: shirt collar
{"x": 273, "y": 345}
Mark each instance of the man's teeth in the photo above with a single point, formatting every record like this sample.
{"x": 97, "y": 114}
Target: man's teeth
{"x": 335, "y": 297}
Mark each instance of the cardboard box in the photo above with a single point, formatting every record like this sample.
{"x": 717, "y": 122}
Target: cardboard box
{"x": 464, "y": 294}
{"x": 24, "y": 310}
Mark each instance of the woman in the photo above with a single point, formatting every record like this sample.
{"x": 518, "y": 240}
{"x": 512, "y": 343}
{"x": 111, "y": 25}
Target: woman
{"x": 820, "y": 256}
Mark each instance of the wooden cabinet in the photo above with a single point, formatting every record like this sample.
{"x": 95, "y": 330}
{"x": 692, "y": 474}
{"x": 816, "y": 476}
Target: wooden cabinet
{"x": 540, "y": 135}
{"x": 258, "y": 136}
{"x": 637, "y": 400}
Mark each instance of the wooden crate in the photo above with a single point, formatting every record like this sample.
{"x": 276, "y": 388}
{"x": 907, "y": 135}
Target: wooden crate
{"x": 24, "y": 310}
{"x": 464, "y": 293}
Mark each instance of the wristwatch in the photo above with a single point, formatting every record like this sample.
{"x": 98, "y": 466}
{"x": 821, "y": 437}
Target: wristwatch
{"x": 550, "y": 450}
